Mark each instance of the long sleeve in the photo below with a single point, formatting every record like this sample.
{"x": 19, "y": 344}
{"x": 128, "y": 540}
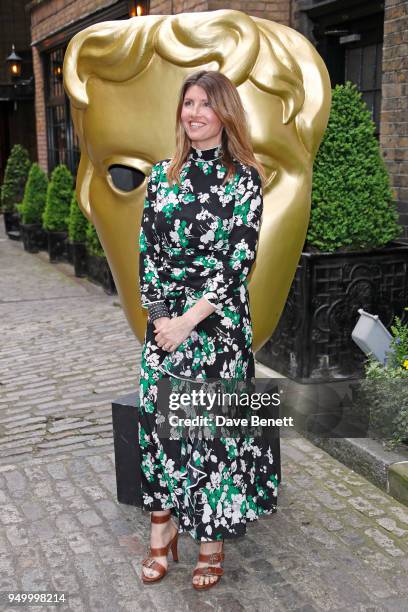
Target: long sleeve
{"x": 238, "y": 257}
{"x": 149, "y": 247}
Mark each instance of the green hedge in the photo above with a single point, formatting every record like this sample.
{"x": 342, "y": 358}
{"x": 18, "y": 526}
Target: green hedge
{"x": 35, "y": 193}
{"x": 77, "y": 222}
{"x": 383, "y": 395}
{"x": 15, "y": 178}
{"x": 59, "y": 196}
{"x": 352, "y": 201}
{"x": 93, "y": 244}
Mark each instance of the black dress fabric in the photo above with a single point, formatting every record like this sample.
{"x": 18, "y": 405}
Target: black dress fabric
{"x": 198, "y": 240}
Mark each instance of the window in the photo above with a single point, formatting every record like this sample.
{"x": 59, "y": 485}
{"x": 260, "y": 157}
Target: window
{"x": 363, "y": 67}
{"x": 349, "y": 36}
{"x": 63, "y": 146}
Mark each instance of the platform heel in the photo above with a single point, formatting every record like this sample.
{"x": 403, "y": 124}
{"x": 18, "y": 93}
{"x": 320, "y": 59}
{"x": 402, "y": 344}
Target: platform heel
{"x": 149, "y": 561}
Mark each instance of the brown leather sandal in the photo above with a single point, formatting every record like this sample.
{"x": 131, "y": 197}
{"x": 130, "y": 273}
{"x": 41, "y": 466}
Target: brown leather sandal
{"x": 208, "y": 570}
{"x": 159, "y": 552}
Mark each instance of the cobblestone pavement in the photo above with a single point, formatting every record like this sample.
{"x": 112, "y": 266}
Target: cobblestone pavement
{"x": 336, "y": 543}
{"x": 65, "y": 352}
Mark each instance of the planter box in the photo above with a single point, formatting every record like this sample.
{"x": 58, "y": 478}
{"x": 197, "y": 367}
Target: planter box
{"x": 312, "y": 341}
{"x": 99, "y": 271}
{"x": 42, "y": 239}
{"x": 12, "y": 224}
{"x": 34, "y": 237}
{"x": 79, "y": 258}
{"x": 56, "y": 246}
{"x": 69, "y": 252}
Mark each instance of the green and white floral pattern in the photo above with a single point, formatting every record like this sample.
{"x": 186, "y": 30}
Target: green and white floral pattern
{"x": 197, "y": 240}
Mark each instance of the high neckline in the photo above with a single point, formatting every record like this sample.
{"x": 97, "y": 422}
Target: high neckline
{"x": 206, "y": 154}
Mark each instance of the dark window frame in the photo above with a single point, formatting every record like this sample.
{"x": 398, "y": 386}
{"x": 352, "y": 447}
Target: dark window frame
{"x": 365, "y": 17}
{"x": 71, "y": 151}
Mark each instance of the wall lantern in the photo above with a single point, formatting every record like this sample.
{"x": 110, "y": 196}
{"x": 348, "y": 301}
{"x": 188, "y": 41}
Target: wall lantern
{"x": 137, "y": 9}
{"x": 14, "y": 63}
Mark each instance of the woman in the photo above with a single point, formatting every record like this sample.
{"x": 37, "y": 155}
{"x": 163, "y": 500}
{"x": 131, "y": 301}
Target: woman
{"x": 198, "y": 241}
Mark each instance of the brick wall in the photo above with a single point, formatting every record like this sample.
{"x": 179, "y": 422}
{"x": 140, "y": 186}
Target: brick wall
{"x": 160, "y": 7}
{"x": 394, "y": 114}
{"x": 275, "y": 10}
{"x": 171, "y": 7}
{"x": 51, "y": 15}
{"x": 40, "y": 111}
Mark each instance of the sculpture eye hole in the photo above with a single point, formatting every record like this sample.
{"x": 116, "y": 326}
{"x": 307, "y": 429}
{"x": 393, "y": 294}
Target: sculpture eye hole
{"x": 126, "y": 178}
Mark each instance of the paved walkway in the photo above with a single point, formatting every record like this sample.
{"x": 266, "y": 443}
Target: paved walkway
{"x": 336, "y": 543}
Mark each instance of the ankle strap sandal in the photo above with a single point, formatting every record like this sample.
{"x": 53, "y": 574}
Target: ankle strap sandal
{"x": 150, "y": 562}
{"x": 208, "y": 570}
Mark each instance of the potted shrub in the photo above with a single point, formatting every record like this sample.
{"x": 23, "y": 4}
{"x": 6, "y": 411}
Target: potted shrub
{"x": 59, "y": 196}
{"x": 12, "y": 190}
{"x": 98, "y": 267}
{"x": 382, "y": 396}
{"x": 31, "y": 209}
{"x": 77, "y": 226}
{"x": 351, "y": 257}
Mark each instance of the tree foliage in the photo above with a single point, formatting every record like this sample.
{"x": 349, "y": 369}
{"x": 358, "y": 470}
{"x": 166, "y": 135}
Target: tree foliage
{"x": 59, "y": 196}
{"x": 35, "y": 193}
{"x": 93, "y": 244}
{"x": 77, "y": 222}
{"x": 352, "y": 201}
{"x": 15, "y": 178}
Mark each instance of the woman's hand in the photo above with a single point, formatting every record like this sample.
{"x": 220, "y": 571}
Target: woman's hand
{"x": 170, "y": 333}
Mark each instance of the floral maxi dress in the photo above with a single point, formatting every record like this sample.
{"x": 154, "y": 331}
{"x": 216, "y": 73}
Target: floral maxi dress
{"x": 199, "y": 239}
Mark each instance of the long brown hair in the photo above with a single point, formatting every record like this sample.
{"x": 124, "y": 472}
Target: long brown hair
{"x": 226, "y": 104}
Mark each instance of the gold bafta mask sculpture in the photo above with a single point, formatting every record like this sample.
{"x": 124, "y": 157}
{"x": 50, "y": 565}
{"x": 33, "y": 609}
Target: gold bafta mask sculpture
{"x": 123, "y": 80}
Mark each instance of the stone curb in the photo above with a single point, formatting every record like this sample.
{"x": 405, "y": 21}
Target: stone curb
{"x": 387, "y": 469}
{"x": 398, "y": 481}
